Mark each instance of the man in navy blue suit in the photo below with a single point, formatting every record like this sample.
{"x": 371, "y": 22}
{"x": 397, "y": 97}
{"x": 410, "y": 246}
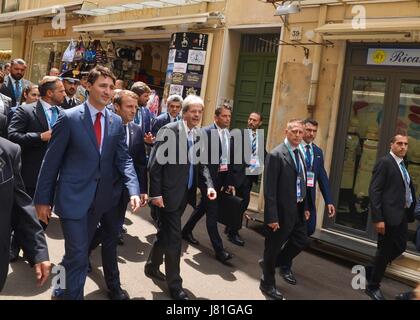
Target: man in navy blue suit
{"x": 174, "y": 104}
{"x": 86, "y": 153}
{"x": 314, "y": 160}
{"x": 144, "y": 118}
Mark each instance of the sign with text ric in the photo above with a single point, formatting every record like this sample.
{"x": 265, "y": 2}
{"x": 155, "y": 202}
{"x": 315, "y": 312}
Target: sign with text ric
{"x": 394, "y": 57}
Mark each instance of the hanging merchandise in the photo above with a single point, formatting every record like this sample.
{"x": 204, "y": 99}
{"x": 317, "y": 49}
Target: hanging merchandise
{"x": 110, "y": 50}
{"x": 138, "y": 55}
{"x": 101, "y": 55}
{"x": 153, "y": 103}
{"x": 68, "y": 55}
{"x": 80, "y": 51}
{"x": 90, "y": 53}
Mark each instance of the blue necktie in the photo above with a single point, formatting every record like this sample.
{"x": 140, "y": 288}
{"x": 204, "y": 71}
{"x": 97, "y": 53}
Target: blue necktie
{"x": 254, "y": 143}
{"x": 138, "y": 119}
{"x": 191, "y": 169}
{"x": 308, "y": 156}
{"x": 54, "y": 115}
{"x": 18, "y": 92}
{"x": 408, "y": 196}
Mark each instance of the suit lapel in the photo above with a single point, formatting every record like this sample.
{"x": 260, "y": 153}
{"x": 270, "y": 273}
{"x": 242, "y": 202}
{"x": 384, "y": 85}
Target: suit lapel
{"x": 87, "y": 122}
{"x": 107, "y": 129}
{"x": 131, "y": 136}
{"x": 40, "y": 115}
{"x": 288, "y": 158}
{"x": 394, "y": 163}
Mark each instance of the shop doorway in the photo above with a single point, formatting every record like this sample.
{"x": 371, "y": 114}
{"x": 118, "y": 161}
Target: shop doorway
{"x": 376, "y": 102}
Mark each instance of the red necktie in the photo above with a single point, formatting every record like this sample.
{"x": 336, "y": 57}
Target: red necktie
{"x": 98, "y": 129}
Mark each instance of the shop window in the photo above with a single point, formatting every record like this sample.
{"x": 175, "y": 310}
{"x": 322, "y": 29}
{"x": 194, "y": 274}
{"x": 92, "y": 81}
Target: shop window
{"x": 260, "y": 43}
{"x": 9, "y": 5}
{"x": 360, "y": 155}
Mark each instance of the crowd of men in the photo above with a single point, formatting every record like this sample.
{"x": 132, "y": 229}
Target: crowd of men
{"x": 83, "y": 147}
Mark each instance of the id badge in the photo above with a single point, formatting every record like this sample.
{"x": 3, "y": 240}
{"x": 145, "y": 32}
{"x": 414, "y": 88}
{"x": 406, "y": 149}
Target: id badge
{"x": 298, "y": 188}
{"x": 223, "y": 168}
{"x": 255, "y": 163}
{"x": 310, "y": 176}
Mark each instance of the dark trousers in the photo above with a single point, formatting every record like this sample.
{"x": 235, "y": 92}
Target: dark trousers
{"x": 209, "y": 208}
{"x": 296, "y": 239}
{"x": 390, "y": 245}
{"x": 244, "y": 192}
{"x": 168, "y": 243}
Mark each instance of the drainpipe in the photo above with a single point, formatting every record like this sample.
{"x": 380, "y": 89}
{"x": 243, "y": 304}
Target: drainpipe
{"x": 313, "y": 89}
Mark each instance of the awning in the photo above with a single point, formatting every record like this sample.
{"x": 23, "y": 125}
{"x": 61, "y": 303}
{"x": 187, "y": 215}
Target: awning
{"x": 395, "y": 29}
{"x": 146, "y": 23}
{"x": 40, "y": 12}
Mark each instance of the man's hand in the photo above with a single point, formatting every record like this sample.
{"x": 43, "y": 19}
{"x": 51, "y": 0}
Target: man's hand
{"x": 380, "y": 227}
{"x": 143, "y": 199}
{"x": 149, "y": 138}
{"x": 274, "y": 226}
{"x": 43, "y": 212}
{"x": 230, "y": 189}
{"x": 42, "y": 271}
{"x": 211, "y": 194}
{"x": 331, "y": 211}
{"x": 307, "y": 215}
{"x": 158, "y": 202}
{"x": 46, "y": 136}
{"x": 135, "y": 203}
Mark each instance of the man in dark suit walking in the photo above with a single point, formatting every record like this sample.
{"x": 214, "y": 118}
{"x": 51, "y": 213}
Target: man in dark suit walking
{"x": 86, "y": 152}
{"x": 218, "y": 145}
{"x": 5, "y": 107}
{"x": 71, "y": 81}
{"x": 144, "y": 118}
{"x": 173, "y": 181}
{"x": 14, "y": 84}
{"x": 243, "y": 174}
{"x": 314, "y": 160}
{"x": 392, "y": 203}
{"x": 285, "y": 211}
{"x": 18, "y": 213}
{"x": 174, "y": 104}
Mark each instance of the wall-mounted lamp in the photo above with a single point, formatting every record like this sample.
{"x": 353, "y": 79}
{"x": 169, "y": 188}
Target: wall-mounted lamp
{"x": 285, "y": 9}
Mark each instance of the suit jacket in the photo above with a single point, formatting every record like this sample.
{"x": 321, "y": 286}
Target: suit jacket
{"x": 170, "y": 180}
{"x": 7, "y": 89}
{"x": 76, "y": 172}
{"x": 321, "y": 177}
{"x": 147, "y": 119}
{"x": 137, "y": 151}
{"x": 160, "y": 121}
{"x": 4, "y": 112}
{"x": 17, "y": 212}
{"x": 280, "y": 176}
{"x": 237, "y": 171}
{"x": 25, "y": 128}
{"x": 66, "y": 105}
{"x": 387, "y": 193}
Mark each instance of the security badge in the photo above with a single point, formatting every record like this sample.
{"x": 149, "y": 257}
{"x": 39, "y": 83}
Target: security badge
{"x": 310, "y": 179}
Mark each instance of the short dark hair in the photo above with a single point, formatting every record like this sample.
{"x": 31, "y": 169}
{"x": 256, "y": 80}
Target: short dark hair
{"x": 1, "y": 77}
{"x": 26, "y": 91}
{"x": 18, "y": 61}
{"x": 311, "y": 121}
{"x": 47, "y": 83}
{"x": 257, "y": 113}
{"x": 140, "y": 87}
{"x": 219, "y": 109}
{"x": 118, "y": 98}
{"x": 98, "y": 71}
{"x": 398, "y": 133}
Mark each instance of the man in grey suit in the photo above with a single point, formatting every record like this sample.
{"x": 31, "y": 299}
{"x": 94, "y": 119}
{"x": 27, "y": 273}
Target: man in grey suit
{"x": 172, "y": 185}
{"x": 14, "y": 84}
{"x": 285, "y": 212}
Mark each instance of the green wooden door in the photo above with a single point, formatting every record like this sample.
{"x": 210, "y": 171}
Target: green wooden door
{"x": 254, "y": 87}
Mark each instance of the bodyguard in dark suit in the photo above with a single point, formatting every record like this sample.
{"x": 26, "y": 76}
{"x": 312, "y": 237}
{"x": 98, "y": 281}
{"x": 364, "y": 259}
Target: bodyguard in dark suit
{"x": 173, "y": 180}
{"x": 392, "y": 202}
{"x": 31, "y": 125}
{"x": 5, "y": 103}
{"x": 174, "y": 104}
{"x": 244, "y": 173}
{"x": 144, "y": 118}
{"x": 17, "y": 212}
{"x": 86, "y": 153}
{"x": 285, "y": 212}
{"x": 71, "y": 80}
{"x": 14, "y": 84}
{"x": 218, "y": 144}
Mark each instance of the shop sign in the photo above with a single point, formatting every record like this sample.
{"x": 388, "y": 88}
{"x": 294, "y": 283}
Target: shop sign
{"x": 49, "y": 33}
{"x": 394, "y": 57}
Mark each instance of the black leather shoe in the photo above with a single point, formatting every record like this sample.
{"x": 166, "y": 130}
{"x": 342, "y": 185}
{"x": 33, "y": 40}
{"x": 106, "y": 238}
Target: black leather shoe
{"x": 190, "y": 238}
{"x": 118, "y": 294}
{"x": 288, "y": 276}
{"x": 236, "y": 239}
{"x": 271, "y": 292}
{"x": 375, "y": 294}
{"x": 405, "y": 296}
{"x": 121, "y": 239}
{"x": 223, "y": 256}
{"x": 154, "y": 273}
{"x": 179, "y": 294}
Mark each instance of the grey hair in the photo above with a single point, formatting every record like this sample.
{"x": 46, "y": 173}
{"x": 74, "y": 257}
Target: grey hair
{"x": 174, "y": 98}
{"x": 191, "y": 99}
{"x": 18, "y": 61}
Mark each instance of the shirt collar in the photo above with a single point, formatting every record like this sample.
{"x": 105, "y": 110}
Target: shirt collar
{"x": 45, "y": 104}
{"x": 187, "y": 130}
{"x": 398, "y": 159}
{"x": 288, "y": 143}
{"x": 93, "y": 111}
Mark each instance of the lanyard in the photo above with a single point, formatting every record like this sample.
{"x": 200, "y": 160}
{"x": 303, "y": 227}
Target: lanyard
{"x": 292, "y": 154}
{"x": 311, "y": 150}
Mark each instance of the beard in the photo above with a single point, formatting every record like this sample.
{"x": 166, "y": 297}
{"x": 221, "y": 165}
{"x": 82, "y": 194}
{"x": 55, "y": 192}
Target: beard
{"x": 17, "y": 76}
